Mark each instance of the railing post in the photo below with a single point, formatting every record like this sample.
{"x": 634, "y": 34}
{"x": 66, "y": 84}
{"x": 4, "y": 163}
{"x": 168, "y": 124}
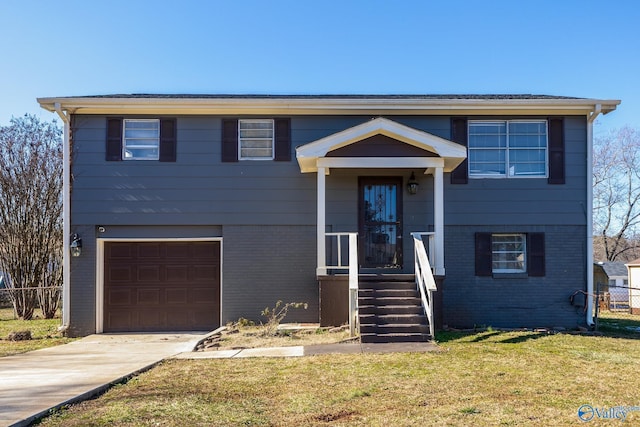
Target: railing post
{"x": 353, "y": 284}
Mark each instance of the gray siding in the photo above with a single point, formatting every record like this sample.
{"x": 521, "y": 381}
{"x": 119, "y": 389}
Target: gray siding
{"x": 526, "y": 200}
{"x": 266, "y": 213}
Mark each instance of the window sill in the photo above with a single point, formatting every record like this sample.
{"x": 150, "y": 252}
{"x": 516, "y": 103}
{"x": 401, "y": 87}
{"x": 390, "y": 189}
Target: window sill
{"x": 510, "y": 276}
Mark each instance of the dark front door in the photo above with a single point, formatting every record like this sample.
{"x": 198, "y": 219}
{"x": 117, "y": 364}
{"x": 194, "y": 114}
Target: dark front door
{"x": 380, "y": 222}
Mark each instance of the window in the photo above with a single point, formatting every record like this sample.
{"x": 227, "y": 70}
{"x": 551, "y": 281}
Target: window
{"x": 255, "y": 139}
{"x": 141, "y": 139}
{"x": 509, "y": 253}
{"x": 508, "y": 148}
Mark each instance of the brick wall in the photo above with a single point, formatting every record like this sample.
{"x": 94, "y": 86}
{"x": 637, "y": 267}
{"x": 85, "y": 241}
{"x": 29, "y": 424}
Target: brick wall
{"x": 470, "y": 300}
{"x": 264, "y": 264}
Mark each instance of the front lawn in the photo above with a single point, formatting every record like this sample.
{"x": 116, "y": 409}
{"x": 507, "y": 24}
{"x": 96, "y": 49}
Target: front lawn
{"x": 44, "y": 333}
{"x": 488, "y": 378}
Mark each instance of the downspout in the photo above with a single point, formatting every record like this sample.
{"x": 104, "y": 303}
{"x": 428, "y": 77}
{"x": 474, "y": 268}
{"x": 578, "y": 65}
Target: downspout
{"x": 66, "y": 217}
{"x": 591, "y": 117}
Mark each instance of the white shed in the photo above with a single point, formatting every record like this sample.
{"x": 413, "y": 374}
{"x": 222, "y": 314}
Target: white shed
{"x": 634, "y": 285}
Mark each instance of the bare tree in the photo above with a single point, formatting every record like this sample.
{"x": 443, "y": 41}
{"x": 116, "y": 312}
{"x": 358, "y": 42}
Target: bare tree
{"x": 31, "y": 214}
{"x": 616, "y": 194}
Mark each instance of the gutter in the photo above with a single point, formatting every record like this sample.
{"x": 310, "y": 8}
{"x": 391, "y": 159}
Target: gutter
{"x": 66, "y": 216}
{"x": 591, "y": 117}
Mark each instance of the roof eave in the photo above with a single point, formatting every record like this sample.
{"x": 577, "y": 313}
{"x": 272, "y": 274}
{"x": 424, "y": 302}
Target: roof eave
{"x": 235, "y": 105}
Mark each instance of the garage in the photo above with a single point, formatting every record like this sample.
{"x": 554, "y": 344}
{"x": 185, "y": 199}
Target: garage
{"x": 159, "y": 286}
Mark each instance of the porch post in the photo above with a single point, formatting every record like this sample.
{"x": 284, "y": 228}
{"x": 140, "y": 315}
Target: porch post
{"x": 320, "y": 224}
{"x": 438, "y": 219}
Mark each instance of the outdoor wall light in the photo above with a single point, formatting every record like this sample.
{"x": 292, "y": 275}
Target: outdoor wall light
{"x": 412, "y": 184}
{"x": 75, "y": 247}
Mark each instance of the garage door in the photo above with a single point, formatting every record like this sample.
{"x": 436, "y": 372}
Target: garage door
{"x": 161, "y": 286}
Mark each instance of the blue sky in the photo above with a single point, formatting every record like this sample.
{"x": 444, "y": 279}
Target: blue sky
{"x": 559, "y": 47}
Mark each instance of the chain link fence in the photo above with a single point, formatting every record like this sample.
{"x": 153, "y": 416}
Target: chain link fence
{"x": 53, "y": 299}
{"x": 617, "y": 309}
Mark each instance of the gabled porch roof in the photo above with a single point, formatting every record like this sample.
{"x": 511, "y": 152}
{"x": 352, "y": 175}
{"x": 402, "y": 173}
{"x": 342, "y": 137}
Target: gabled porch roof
{"x": 450, "y": 153}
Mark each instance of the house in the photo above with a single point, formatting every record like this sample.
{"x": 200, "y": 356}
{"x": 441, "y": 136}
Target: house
{"x": 611, "y": 279}
{"x": 191, "y": 211}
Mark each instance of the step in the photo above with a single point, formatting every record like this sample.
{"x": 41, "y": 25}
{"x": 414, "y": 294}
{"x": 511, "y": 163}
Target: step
{"x": 389, "y": 301}
{"x": 386, "y": 285}
{"x": 390, "y": 338}
{"x": 387, "y": 277}
{"x": 394, "y": 329}
{"x": 390, "y": 309}
{"x": 381, "y": 293}
{"x": 386, "y": 319}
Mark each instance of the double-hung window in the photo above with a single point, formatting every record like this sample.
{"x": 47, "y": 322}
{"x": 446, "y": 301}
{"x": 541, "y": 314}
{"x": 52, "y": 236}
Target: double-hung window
{"x": 509, "y": 253}
{"x": 141, "y": 139}
{"x": 506, "y": 254}
{"x": 255, "y": 139}
{"x": 508, "y": 148}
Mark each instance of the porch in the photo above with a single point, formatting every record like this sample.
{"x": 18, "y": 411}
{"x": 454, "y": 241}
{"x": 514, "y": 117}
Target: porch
{"x": 376, "y": 152}
{"x": 380, "y": 307}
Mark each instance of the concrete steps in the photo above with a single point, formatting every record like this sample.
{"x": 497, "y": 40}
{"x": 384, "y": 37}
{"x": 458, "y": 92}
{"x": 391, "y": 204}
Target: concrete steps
{"x": 390, "y": 310}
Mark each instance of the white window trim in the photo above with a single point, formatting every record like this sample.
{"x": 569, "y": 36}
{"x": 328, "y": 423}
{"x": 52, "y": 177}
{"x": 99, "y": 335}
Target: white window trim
{"x": 506, "y": 174}
{"x": 124, "y": 140}
{"x": 524, "y": 255}
{"x": 273, "y": 139}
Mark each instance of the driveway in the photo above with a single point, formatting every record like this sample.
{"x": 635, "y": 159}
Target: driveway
{"x": 33, "y": 383}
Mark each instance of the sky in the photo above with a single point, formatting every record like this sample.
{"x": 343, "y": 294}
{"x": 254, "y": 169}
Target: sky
{"x": 584, "y": 48}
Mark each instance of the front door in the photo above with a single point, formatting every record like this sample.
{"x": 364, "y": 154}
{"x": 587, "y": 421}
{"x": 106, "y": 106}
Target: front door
{"x": 380, "y": 222}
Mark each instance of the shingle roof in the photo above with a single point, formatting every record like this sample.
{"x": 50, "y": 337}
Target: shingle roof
{"x": 612, "y": 268}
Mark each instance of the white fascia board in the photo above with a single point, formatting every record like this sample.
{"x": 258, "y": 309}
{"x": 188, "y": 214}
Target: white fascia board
{"x": 314, "y": 106}
{"x": 380, "y": 162}
{"x": 309, "y": 154}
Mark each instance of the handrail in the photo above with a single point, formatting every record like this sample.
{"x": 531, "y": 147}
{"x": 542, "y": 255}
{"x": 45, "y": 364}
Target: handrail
{"x": 424, "y": 276}
{"x": 352, "y": 267}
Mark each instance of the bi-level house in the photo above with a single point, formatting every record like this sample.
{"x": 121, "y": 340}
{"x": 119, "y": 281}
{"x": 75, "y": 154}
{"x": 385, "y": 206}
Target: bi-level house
{"x": 185, "y": 212}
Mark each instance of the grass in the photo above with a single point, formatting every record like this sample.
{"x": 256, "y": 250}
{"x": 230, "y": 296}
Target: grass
{"x": 618, "y": 323}
{"x": 238, "y": 336}
{"x": 44, "y": 333}
{"x": 487, "y": 378}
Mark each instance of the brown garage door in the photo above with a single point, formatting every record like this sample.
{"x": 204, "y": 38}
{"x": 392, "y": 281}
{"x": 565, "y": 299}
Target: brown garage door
{"x": 161, "y": 286}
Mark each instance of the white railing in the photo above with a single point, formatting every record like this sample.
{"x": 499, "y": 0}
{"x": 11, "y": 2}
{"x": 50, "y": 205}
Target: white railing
{"x": 424, "y": 276}
{"x": 352, "y": 267}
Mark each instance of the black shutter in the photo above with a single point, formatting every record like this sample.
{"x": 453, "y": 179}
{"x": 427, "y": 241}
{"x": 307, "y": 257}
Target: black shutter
{"x": 484, "y": 256}
{"x": 535, "y": 254}
{"x": 229, "y": 140}
{"x": 114, "y": 139}
{"x": 282, "y": 140}
{"x": 168, "y": 138}
{"x": 556, "y": 151}
{"x": 460, "y": 175}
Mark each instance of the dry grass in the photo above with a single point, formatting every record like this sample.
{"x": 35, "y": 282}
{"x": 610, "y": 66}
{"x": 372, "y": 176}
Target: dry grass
{"x": 489, "y": 378}
{"x": 44, "y": 333}
{"x": 237, "y": 336}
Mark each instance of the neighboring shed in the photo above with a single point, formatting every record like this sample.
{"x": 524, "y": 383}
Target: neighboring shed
{"x": 634, "y": 285}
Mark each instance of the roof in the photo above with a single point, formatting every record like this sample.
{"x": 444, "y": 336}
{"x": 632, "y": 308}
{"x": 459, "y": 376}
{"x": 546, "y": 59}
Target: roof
{"x": 450, "y": 153}
{"x": 444, "y": 104}
{"x": 634, "y": 262}
{"x": 613, "y": 268}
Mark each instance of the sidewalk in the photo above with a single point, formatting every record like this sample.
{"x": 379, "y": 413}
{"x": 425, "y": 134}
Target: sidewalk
{"x": 311, "y": 350}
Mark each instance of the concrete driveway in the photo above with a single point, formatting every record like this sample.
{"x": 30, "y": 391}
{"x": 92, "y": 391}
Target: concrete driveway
{"x": 33, "y": 383}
